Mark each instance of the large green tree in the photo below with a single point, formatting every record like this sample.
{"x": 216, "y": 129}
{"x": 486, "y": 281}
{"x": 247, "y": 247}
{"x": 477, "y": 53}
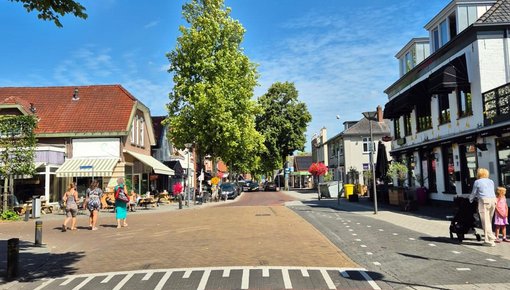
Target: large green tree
{"x": 211, "y": 101}
{"x": 283, "y": 124}
{"x": 17, "y": 147}
{"x": 51, "y": 10}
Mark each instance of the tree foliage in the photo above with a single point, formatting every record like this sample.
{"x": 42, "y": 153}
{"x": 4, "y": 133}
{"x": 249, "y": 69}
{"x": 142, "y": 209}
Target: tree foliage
{"x": 51, "y": 10}
{"x": 318, "y": 169}
{"x": 283, "y": 124}
{"x": 17, "y": 145}
{"x": 210, "y": 103}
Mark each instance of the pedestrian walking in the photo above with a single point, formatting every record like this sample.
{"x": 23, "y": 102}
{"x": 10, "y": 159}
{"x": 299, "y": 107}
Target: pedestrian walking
{"x": 93, "y": 203}
{"x": 483, "y": 190}
{"x": 121, "y": 202}
{"x": 501, "y": 214}
{"x": 69, "y": 199}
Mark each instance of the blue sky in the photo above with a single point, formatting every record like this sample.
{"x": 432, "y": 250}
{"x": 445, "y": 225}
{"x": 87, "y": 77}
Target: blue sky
{"x": 340, "y": 54}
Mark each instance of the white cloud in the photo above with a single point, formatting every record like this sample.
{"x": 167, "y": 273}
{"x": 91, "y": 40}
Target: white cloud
{"x": 151, "y": 24}
{"x": 339, "y": 69}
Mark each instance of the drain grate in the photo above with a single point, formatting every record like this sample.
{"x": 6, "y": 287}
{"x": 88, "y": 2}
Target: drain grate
{"x": 263, "y": 214}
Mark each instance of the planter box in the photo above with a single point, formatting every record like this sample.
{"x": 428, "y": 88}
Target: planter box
{"x": 396, "y": 196}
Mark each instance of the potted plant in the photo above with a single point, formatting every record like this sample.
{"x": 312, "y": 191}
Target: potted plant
{"x": 177, "y": 190}
{"x": 397, "y": 170}
{"x": 421, "y": 191}
{"x": 318, "y": 169}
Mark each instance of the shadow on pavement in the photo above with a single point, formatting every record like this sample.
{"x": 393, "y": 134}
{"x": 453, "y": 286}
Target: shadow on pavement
{"x": 36, "y": 262}
{"x": 476, "y": 263}
{"x": 381, "y": 278}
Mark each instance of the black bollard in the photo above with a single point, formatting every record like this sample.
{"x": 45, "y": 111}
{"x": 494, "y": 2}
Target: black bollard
{"x": 180, "y": 201}
{"x": 12, "y": 258}
{"x": 38, "y": 233}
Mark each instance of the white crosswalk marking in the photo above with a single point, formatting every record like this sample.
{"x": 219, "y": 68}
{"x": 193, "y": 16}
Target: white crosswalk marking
{"x": 226, "y": 273}
{"x": 328, "y": 280}
{"x": 305, "y": 273}
{"x": 163, "y": 280}
{"x": 92, "y": 281}
{"x": 203, "y": 281}
{"x": 67, "y": 281}
{"x": 123, "y": 281}
{"x": 147, "y": 276}
{"x": 187, "y": 273}
{"x": 245, "y": 280}
{"x": 286, "y": 279}
{"x": 107, "y": 279}
{"x": 83, "y": 283}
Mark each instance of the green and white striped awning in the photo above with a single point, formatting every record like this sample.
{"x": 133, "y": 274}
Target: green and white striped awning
{"x": 85, "y": 167}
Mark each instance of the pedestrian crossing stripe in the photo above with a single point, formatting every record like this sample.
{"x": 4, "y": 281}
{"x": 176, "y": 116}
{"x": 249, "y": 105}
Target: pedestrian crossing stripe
{"x": 187, "y": 272}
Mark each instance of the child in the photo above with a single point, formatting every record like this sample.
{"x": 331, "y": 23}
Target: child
{"x": 501, "y": 216}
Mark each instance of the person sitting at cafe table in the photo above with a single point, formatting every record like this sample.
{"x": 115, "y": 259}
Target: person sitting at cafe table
{"x": 134, "y": 198}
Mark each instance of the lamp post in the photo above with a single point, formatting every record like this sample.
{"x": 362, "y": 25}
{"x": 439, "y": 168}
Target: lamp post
{"x": 372, "y": 116}
{"x": 187, "y": 182}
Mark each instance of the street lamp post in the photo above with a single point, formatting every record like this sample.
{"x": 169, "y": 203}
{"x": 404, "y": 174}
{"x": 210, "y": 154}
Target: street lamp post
{"x": 372, "y": 116}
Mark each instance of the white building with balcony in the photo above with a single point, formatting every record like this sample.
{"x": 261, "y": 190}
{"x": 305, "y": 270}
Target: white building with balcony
{"x": 450, "y": 111}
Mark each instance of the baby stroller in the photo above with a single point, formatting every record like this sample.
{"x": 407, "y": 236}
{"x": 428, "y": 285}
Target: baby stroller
{"x": 466, "y": 219}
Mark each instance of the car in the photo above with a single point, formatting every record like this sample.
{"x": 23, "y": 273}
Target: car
{"x": 270, "y": 186}
{"x": 250, "y": 186}
{"x": 230, "y": 189}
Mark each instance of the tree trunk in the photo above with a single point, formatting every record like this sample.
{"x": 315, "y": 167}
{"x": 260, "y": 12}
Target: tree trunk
{"x": 6, "y": 186}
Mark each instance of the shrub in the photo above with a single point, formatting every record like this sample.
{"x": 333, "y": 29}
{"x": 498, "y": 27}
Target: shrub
{"x": 9, "y": 215}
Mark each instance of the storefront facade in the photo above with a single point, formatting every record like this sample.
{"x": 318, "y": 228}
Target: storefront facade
{"x": 450, "y": 112}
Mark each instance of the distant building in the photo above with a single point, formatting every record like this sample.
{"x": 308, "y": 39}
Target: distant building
{"x": 351, "y": 147}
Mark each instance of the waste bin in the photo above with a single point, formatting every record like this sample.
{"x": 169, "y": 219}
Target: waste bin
{"x": 348, "y": 190}
{"x": 36, "y": 207}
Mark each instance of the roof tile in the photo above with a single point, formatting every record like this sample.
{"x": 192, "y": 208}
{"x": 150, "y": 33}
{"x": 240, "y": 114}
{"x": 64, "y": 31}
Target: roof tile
{"x": 100, "y": 108}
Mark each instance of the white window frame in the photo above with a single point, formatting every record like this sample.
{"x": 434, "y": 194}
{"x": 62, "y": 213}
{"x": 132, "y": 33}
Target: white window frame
{"x": 142, "y": 132}
{"x": 366, "y": 144}
{"x": 133, "y": 131}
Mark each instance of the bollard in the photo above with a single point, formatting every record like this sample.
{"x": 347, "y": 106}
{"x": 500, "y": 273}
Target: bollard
{"x": 38, "y": 233}
{"x": 180, "y": 201}
{"x": 12, "y": 258}
{"x": 27, "y": 215}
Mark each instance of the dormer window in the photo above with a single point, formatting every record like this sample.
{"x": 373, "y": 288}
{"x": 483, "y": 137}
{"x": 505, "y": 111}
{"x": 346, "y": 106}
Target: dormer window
{"x": 412, "y": 54}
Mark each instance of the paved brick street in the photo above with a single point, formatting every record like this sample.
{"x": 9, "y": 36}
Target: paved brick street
{"x": 162, "y": 238}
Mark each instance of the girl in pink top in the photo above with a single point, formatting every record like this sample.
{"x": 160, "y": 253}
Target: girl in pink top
{"x": 501, "y": 216}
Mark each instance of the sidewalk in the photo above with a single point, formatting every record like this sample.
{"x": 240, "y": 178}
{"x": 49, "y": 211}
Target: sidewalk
{"x": 428, "y": 220}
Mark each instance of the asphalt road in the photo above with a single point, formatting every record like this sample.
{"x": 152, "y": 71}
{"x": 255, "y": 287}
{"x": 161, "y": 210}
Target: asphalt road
{"x": 398, "y": 258}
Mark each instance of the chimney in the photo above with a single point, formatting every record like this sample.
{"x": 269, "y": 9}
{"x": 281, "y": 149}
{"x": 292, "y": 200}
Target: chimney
{"x": 32, "y": 108}
{"x": 76, "y": 97}
{"x": 379, "y": 114}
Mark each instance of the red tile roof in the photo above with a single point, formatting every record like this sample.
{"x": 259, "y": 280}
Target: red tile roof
{"x": 100, "y": 108}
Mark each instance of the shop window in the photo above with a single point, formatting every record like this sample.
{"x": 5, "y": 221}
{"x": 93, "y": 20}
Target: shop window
{"x": 407, "y": 124}
{"x": 464, "y": 103}
{"x": 503, "y": 150}
{"x": 448, "y": 170}
{"x": 468, "y": 166}
{"x": 444, "y": 109}
{"x": 423, "y": 117}
{"x": 429, "y": 163}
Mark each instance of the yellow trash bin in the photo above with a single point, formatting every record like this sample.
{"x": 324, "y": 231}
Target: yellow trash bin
{"x": 348, "y": 190}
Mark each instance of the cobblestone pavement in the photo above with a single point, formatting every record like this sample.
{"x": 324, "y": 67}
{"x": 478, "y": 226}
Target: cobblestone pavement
{"x": 225, "y": 236}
